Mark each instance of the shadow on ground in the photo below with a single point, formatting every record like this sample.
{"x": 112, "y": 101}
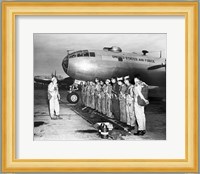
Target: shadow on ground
{"x": 39, "y": 123}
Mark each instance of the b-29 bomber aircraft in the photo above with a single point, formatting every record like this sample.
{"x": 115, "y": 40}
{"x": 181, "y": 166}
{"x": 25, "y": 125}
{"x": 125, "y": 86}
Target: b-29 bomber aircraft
{"x": 86, "y": 65}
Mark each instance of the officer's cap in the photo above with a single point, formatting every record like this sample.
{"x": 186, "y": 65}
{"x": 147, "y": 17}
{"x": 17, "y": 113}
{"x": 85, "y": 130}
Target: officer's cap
{"x": 126, "y": 78}
{"x": 108, "y": 80}
{"x": 114, "y": 78}
{"x": 137, "y": 76}
{"x": 120, "y": 79}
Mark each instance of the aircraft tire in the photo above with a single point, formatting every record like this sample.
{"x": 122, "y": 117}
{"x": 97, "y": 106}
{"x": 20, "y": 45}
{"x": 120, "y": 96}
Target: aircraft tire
{"x": 73, "y": 98}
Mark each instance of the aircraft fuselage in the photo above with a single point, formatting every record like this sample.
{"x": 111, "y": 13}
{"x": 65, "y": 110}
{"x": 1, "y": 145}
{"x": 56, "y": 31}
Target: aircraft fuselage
{"x": 90, "y": 64}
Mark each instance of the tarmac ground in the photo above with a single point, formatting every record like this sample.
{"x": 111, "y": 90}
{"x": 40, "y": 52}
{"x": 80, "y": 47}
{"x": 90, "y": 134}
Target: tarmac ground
{"x": 79, "y": 123}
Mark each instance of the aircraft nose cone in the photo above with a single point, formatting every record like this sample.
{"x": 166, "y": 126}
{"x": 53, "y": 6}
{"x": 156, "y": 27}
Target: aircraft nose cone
{"x": 65, "y": 64}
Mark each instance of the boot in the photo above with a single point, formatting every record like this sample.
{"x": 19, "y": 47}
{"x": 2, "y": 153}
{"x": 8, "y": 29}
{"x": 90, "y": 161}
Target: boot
{"x": 58, "y": 117}
{"x": 143, "y": 132}
{"x": 139, "y": 133}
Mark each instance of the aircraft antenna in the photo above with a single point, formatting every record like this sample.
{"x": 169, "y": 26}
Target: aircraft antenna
{"x": 158, "y": 52}
{"x": 145, "y": 52}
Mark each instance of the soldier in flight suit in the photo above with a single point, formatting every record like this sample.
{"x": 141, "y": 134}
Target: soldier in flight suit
{"x": 99, "y": 97}
{"x": 103, "y": 98}
{"x": 108, "y": 92}
{"x": 130, "y": 104}
{"x": 139, "y": 110}
{"x": 96, "y": 93}
{"x": 88, "y": 94}
{"x": 115, "y": 99}
{"x": 82, "y": 86}
{"x": 122, "y": 100}
{"x": 92, "y": 93}
{"x": 84, "y": 93}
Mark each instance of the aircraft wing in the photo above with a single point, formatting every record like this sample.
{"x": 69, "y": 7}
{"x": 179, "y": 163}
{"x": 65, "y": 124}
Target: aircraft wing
{"x": 66, "y": 81}
{"x": 62, "y": 82}
{"x": 156, "y": 67}
{"x": 160, "y": 64}
{"x": 42, "y": 80}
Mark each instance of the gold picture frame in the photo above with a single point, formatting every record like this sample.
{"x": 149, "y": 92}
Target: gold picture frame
{"x": 12, "y": 9}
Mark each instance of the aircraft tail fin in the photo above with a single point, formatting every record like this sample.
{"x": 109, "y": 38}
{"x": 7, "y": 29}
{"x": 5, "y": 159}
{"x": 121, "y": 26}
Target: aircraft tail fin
{"x": 53, "y": 75}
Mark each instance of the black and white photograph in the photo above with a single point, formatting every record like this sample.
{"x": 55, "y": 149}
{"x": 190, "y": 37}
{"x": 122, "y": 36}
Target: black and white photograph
{"x": 99, "y": 86}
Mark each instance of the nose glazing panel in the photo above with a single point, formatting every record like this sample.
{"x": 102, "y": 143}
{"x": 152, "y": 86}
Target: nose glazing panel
{"x": 65, "y": 63}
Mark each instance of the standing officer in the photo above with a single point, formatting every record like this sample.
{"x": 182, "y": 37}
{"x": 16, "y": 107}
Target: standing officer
{"x": 122, "y": 100}
{"x": 54, "y": 96}
{"x": 130, "y": 104}
{"x": 139, "y": 110}
{"x": 115, "y": 99}
{"x": 108, "y": 92}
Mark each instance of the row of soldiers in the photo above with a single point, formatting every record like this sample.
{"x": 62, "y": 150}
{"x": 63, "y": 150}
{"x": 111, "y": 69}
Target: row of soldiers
{"x": 115, "y": 98}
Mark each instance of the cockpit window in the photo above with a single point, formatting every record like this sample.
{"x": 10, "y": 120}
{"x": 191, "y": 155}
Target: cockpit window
{"x": 92, "y": 54}
{"x": 83, "y": 53}
{"x": 72, "y": 55}
{"x": 86, "y": 54}
{"x": 79, "y": 54}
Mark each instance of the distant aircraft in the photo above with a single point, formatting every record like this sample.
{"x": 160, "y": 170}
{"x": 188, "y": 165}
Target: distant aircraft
{"x": 111, "y": 62}
{"x": 62, "y": 82}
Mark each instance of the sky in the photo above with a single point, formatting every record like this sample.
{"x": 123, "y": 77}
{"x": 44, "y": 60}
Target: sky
{"x": 50, "y": 49}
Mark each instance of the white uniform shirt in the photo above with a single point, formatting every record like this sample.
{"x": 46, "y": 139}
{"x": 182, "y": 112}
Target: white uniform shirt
{"x": 53, "y": 90}
{"x": 137, "y": 91}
